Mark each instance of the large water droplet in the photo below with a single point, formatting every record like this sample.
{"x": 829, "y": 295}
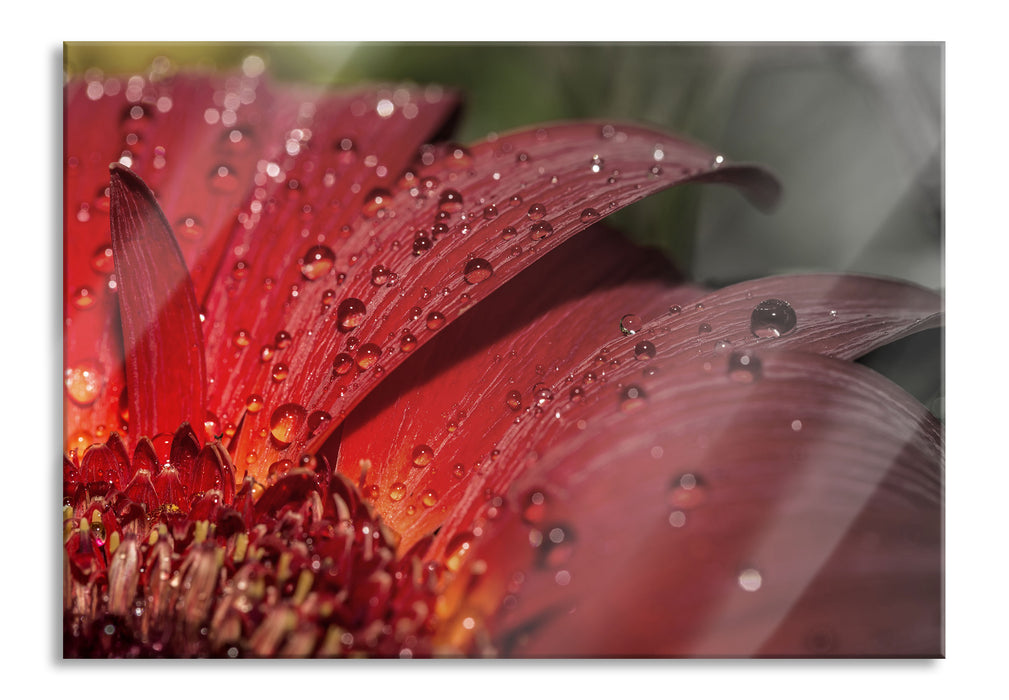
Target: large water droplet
{"x": 536, "y": 211}
{"x": 477, "y": 270}
{"x": 83, "y": 382}
{"x": 429, "y": 498}
{"x": 254, "y": 403}
{"x": 772, "y": 318}
{"x": 408, "y": 342}
{"x": 286, "y": 421}
{"x": 630, "y": 324}
{"x": 350, "y": 313}
{"x": 318, "y": 260}
{"x": 280, "y": 372}
{"x": 397, "y": 491}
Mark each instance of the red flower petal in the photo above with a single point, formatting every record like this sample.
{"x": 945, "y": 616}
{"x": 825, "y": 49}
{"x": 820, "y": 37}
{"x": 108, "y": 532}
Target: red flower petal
{"x": 428, "y": 433}
{"x": 459, "y": 407}
{"x": 328, "y": 324}
{"x": 162, "y": 128}
{"x": 161, "y": 324}
{"x": 799, "y": 514}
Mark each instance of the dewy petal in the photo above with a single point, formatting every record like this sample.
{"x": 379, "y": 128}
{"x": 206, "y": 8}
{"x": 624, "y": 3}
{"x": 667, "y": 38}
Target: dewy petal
{"x": 423, "y": 440}
{"x": 333, "y": 308}
{"x": 459, "y": 407}
{"x": 165, "y": 374}
{"x": 176, "y": 133}
{"x": 798, "y": 513}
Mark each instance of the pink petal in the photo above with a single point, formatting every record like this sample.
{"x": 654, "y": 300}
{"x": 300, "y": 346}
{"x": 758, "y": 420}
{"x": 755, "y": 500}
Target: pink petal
{"x": 458, "y": 407}
{"x": 161, "y": 327}
{"x": 797, "y": 514}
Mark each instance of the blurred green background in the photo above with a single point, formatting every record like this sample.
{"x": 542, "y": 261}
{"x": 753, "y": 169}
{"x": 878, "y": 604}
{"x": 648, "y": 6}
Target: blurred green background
{"x": 854, "y": 132}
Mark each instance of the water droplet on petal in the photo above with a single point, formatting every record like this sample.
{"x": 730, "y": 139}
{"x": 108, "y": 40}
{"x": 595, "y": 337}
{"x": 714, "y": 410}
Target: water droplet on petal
{"x": 450, "y": 201}
{"x": 630, "y": 324}
{"x": 83, "y": 383}
{"x": 421, "y": 244}
{"x": 577, "y": 394}
{"x": 542, "y": 394}
{"x": 744, "y": 367}
{"x": 380, "y": 275}
{"x": 397, "y": 491}
{"x": 477, "y": 270}
{"x": 435, "y": 320}
{"x": 254, "y": 403}
{"x": 350, "y": 313}
{"x": 704, "y": 328}
{"x": 540, "y": 230}
{"x": 513, "y": 400}
{"x": 458, "y": 471}
{"x": 222, "y": 179}
{"x": 83, "y": 298}
{"x": 536, "y": 211}
{"x": 687, "y": 491}
{"x": 596, "y": 164}
{"x": 490, "y": 212}
{"x": 279, "y": 373}
{"x": 102, "y": 260}
{"x": 318, "y": 261}
{"x": 556, "y": 548}
{"x": 644, "y": 350}
{"x": 376, "y": 200}
{"x": 772, "y": 318}
{"x": 286, "y": 421}
{"x": 422, "y": 455}
{"x": 189, "y": 227}
{"x": 534, "y": 507}
{"x": 750, "y": 580}
{"x": 632, "y": 398}
{"x": 241, "y": 338}
{"x": 368, "y": 355}
{"x": 407, "y": 343}
{"x": 588, "y": 214}
{"x": 429, "y": 498}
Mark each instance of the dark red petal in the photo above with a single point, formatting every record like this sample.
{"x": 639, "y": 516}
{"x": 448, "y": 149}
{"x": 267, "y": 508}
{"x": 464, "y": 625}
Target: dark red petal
{"x": 460, "y": 394}
{"x": 161, "y": 321}
{"x": 101, "y": 463}
{"x": 799, "y": 514}
{"x": 341, "y": 336}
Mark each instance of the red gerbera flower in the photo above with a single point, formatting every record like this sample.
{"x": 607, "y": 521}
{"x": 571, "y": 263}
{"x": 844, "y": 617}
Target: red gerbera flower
{"x": 332, "y": 389}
